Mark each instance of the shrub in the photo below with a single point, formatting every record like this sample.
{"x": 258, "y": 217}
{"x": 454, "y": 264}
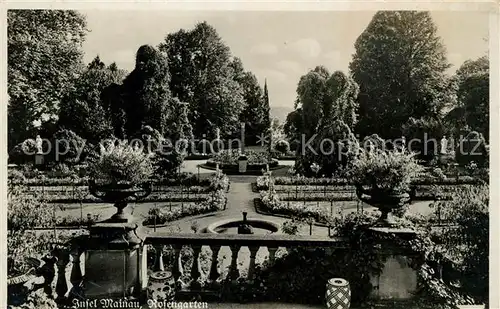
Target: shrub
{"x": 68, "y": 144}
{"x": 24, "y": 212}
{"x": 389, "y": 170}
{"x": 429, "y": 132}
{"x": 15, "y": 177}
{"x": 291, "y": 227}
{"x": 37, "y": 299}
{"x": 60, "y": 170}
{"x": 121, "y": 163}
{"x": 283, "y": 146}
{"x": 472, "y": 149}
{"x": 219, "y": 181}
{"x": 469, "y": 242}
{"x": 204, "y": 147}
{"x": 332, "y": 156}
{"x": 23, "y": 153}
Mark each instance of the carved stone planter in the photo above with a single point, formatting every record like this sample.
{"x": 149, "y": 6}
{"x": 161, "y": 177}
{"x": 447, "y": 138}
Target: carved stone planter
{"x": 120, "y": 195}
{"x": 115, "y": 260}
{"x": 385, "y": 201}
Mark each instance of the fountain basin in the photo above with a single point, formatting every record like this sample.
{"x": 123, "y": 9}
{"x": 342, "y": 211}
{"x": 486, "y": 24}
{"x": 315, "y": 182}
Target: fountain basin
{"x": 230, "y": 226}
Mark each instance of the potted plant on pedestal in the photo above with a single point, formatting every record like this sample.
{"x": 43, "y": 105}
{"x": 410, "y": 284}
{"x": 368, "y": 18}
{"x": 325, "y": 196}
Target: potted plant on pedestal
{"x": 121, "y": 173}
{"x": 383, "y": 179}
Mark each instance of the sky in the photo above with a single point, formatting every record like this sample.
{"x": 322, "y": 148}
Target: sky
{"x": 277, "y": 46}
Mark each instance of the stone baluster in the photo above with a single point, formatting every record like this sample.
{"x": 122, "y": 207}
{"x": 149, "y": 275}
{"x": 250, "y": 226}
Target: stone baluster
{"x": 251, "y": 266}
{"x": 272, "y": 253}
{"x": 177, "y": 267}
{"x": 76, "y": 270}
{"x": 64, "y": 266}
{"x": 159, "y": 258}
{"x": 195, "y": 268}
{"x": 214, "y": 273}
{"x": 50, "y": 275}
{"x": 233, "y": 269}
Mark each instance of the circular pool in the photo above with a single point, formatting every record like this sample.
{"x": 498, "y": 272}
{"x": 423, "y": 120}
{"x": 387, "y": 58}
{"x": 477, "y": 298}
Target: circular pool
{"x": 230, "y": 226}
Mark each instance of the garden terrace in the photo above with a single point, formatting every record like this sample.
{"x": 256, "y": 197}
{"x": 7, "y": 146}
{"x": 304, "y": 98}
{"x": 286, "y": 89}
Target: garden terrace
{"x": 209, "y": 274}
{"x": 200, "y": 268}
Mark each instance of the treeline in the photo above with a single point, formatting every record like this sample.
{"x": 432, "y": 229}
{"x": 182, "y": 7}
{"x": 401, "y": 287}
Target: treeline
{"x": 397, "y": 86}
{"x": 187, "y": 86}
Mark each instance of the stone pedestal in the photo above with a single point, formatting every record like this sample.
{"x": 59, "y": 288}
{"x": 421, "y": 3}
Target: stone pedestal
{"x": 115, "y": 262}
{"x": 398, "y": 280}
{"x": 39, "y": 159}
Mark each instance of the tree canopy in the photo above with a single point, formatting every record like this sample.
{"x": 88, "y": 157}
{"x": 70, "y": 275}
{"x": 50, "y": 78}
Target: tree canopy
{"x": 400, "y": 66}
{"x": 82, "y": 109}
{"x": 202, "y": 75}
{"x": 326, "y": 111}
{"x": 472, "y": 108}
{"x": 44, "y": 59}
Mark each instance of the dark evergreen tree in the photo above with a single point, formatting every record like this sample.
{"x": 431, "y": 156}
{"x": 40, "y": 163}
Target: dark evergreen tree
{"x": 400, "y": 66}
{"x": 327, "y": 107}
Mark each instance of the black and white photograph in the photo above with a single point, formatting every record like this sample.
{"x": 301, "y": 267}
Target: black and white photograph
{"x": 160, "y": 157}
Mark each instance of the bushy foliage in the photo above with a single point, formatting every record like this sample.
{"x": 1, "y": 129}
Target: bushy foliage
{"x": 472, "y": 148}
{"x": 468, "y": 243}
{"x": 121, "y": 163}
{"x": 230, "y": 157}
{"x": 45, "y": 56}
{"x": 291, "y": 227}
{"x": 472, "y": 108}
{"x": 389, "y": 170}
{"x": 283, "y": 146}
{"x": 23, "y": 153}
{"x": 71, "y": 147}
{"x": 328, "y": 112}
{"x": 37, "y": 299}
{"x": 200, "y": 66}
{"x": 427, "y": 134}
{"x": 82, "y": 110}
{"x": 25, "y": 212}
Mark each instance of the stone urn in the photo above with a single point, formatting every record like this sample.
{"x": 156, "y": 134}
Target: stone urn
{"x": 120, "y": 195}
{"x": 385, "y": 201}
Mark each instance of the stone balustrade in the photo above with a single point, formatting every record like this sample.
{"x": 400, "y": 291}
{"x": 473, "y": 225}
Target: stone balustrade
{"x": 234, "y": 243}
{"x": 69, "y": 270}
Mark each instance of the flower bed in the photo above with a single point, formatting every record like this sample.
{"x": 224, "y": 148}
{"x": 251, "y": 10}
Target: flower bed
{"x": 217, "y": 200}
{"x": 263, "y": 181}
{"x": 214, "y": 203}
{"x": 43, "y": 180}
{"x": 228, "y": 160}
{"x": 272, "y": 203}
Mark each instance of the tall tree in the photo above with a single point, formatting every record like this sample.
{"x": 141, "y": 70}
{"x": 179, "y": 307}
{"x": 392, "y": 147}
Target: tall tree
{"x": 145, "y": 92}
{"x": 201, "y": 75}
{"x": 400, "y": 66}
{"x": 266, "y": 110}
{"x": 82, "y": 110}
{"x": 44, "y": 58}
{"x": 472, "y": 108}
{"x": 327, "y": 104}
{"x": 256, "y": 114}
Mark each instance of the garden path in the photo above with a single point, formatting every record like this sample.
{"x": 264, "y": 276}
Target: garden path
{"x": 240, "y": 198}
